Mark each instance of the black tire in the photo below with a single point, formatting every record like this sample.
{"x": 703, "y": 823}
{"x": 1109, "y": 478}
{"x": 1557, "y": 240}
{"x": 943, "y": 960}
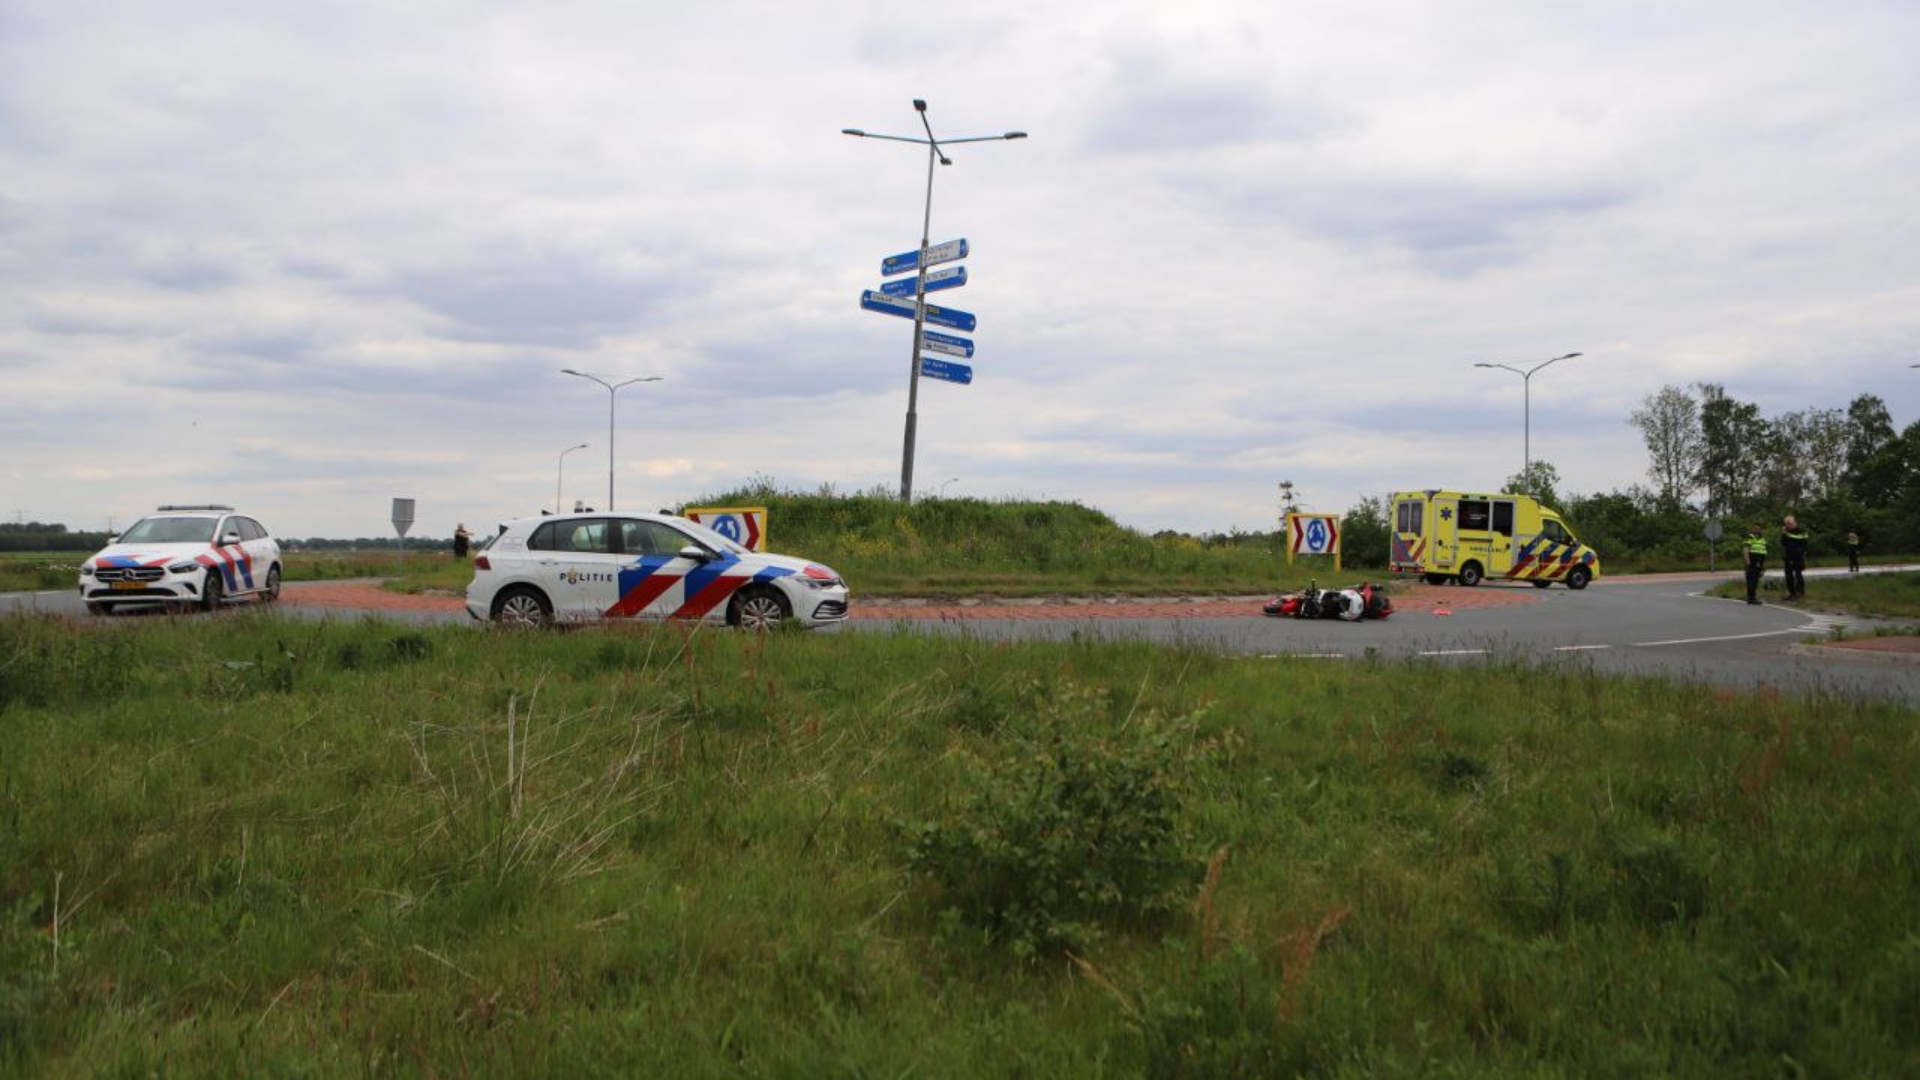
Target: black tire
{"x": 760, "y": 609}
{"x": 1434, "y": 579}
{"x": 522, "y": 605}
{"x": 272, "y": 590}
{"x": 95, "y": 607}
{"x": 212, "y": 591}
{"x": 1578, "y": 577}
{"x": 1541, "y": 583}
{"x": 1470, "y": 574}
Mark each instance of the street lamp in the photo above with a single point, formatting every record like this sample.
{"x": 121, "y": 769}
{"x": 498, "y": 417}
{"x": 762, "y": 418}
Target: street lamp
{"x": 1526, "y": 387}
{"x": 944, "y": 483}
{"x": 562, "y": 471}
{"x": 612, "y": 389}
{"x": 934, "y": 153}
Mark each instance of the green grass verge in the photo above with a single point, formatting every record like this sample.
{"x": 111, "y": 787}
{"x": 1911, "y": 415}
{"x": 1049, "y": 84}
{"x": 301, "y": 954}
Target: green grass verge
{"x": 1887, "y": 596}
{"x": 256, "y": 846}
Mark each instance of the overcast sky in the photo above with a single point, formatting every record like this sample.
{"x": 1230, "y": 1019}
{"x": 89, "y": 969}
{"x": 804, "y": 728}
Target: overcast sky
{"x": 306, "y": 257}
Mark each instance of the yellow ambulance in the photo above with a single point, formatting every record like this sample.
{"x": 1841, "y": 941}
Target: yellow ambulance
{"x": 1466, "y": 537}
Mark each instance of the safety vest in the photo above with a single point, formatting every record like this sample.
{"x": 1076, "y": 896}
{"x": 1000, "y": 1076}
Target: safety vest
{"x": 1757, "y": 546}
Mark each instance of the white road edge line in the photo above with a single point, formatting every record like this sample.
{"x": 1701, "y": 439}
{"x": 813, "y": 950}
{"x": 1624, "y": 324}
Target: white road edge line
{"x": 1730, "y": 637}
{"x": 1454, "y": 652}
{"x": 1579, "y": 648}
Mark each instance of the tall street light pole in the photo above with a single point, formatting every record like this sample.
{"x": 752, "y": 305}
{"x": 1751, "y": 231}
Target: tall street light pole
{"x": 612, "y": 390}
{"x": 934, "y": 153}
{"x": 1526, "y": 388}
{"x": 561, "y": 471}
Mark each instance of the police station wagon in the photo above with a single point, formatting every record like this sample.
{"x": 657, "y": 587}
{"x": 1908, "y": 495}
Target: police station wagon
{"x": 644, "y": 566}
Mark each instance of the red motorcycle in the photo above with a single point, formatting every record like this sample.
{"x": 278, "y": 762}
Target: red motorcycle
{"x": 1363, "y": 601}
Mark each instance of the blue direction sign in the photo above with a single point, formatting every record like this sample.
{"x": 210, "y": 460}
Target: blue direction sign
{"x": 938, "y": 316}
{"x": 943, "y": 343}
{"x": 940, "y": 279}
{"x": 908, "y": 261}
{"x": 946, "y": 370}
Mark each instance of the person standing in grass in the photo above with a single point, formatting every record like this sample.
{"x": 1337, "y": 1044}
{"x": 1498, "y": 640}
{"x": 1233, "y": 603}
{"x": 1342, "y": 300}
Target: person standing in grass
{"x": 1853, "y": 552}
{"x": 1755, "y": 547}
{"x": 462, "y": 541}
{"x": 1793, "y": 554}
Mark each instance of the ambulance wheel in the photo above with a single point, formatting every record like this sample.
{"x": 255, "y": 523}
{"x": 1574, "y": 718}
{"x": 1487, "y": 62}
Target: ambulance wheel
{"x": 210, "y": 593}
{"x": 1539, "y": 584}
{"x": 1434, "y": 579}
{"x": 1470, "y": 574}
{"x": 759, "y": 609}
{"x": 522, "y": 605}
{"x": 1578, "y": 577}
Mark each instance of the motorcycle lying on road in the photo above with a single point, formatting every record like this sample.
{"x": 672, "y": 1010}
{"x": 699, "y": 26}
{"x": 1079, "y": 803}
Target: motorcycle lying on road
{"x": 1363, "y": 601}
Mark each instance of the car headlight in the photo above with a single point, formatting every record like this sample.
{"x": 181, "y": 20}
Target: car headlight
{"x": 819, "y": 577}
{"x": 183, "y": 568}
{"x": 86, "y": 569}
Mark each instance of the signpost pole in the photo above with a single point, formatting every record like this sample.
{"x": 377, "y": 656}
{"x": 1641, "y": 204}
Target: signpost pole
{"x": 919, "y": 324}
{"x": 934, "y": 154}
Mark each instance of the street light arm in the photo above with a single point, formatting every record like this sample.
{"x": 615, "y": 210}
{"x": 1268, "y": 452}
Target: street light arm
{"x": 1549, "y": 363}
{"x": 630, "y": 382}
{"x": 986, "y": 138}
{"x": 892, "y": 138}
{"x": 1504, "y": 367}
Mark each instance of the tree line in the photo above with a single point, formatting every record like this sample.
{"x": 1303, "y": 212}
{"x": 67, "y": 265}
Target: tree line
{"x": 1713, "y": 456}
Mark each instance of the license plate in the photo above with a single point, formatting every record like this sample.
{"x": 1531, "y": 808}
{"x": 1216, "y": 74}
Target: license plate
{"x": 128, "y": 586}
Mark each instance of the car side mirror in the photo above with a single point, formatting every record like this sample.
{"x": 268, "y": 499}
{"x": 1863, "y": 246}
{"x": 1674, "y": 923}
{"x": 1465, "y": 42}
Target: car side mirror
{"x": 695, "y": 552}
{"x": 230, "y": 538}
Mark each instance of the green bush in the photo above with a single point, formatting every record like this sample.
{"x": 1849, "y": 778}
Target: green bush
{"x": 1076, "y": 832}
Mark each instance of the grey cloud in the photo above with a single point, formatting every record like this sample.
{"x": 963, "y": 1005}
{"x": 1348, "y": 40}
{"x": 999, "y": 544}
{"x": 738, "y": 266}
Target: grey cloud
{"x": 536, "y": 300}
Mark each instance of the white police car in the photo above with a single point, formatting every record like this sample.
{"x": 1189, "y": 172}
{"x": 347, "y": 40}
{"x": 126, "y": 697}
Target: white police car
{"x": 646, "y": 566}
{"x": 183, "y": 555}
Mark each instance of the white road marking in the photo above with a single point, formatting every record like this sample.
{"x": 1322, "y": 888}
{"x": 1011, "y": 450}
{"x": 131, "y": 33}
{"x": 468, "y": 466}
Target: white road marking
{"x": 1729, "y": 637}
{"x": 1303, "y": 656}
{"x": 1454, "y": 652}
{"x": 1578, "y": 648}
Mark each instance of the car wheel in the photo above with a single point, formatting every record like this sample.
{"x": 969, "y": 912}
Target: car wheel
{"x": 94, "y": 607}
{"x": 522, "y": 606}
{"x": 760, "y": 609}
{"x": 1470, "y": 574}
{"x": 1539, "y": 583}
{"x": 212, "y": 591}
{"x": 1435, "y": 579}
{"x": 1578, "y": 577}
{"x": 272, "y": 591}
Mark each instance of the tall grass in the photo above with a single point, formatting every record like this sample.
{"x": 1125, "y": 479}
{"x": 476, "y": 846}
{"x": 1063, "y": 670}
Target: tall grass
{"x": 258, "y": 846}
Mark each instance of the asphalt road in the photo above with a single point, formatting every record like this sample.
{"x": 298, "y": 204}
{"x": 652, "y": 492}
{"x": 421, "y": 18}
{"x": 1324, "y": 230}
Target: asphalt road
{"x": 1656, "y": 626}
{"x": 1659, "y": 626}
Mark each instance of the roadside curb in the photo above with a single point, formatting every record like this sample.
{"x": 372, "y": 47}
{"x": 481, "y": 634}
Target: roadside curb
{"x": 1854, "y": 655}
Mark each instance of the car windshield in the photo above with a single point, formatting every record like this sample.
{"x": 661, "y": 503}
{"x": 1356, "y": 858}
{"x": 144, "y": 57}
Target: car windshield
{"x": 708, "y": 537}
{"x": 170, "y": 530}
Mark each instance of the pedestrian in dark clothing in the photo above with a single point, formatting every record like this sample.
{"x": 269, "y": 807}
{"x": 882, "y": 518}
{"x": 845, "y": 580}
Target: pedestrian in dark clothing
{"x": 1853, "y": 552}
{"x": 1755, "y": 546}
{"x": 1793, "y": 555}
{"x": 462, "y": 542}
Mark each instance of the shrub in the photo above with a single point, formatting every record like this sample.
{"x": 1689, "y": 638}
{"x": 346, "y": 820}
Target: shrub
{"x": 1075, "y": 832}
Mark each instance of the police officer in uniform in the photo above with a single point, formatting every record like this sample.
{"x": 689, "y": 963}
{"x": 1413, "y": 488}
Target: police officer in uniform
{"x": 1755, "y": 546}
{"x": 1793, "y": 553}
